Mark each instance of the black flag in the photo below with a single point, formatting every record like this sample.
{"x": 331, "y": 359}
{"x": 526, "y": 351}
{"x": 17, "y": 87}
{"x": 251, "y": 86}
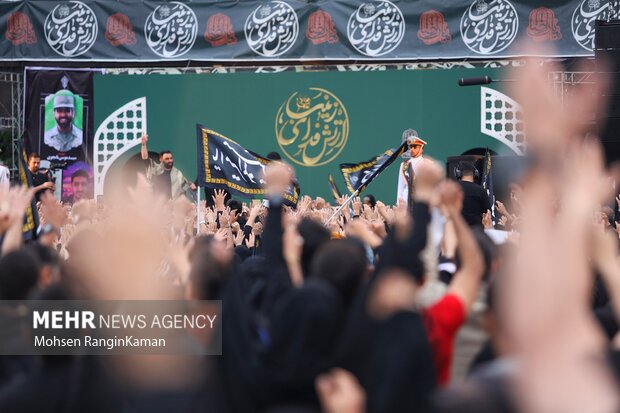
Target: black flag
{"x": 487, "y": 181}
{"x": 335, "y": 191}
{"x": 359, "y": 176}
{"x": 291, "y": 197}
{"x": 223, "y": 163}
{"x": 31, "y": 221}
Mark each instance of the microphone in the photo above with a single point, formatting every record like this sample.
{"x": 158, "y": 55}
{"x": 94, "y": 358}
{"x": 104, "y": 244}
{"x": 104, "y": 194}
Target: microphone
{"x": 473, "y": 81}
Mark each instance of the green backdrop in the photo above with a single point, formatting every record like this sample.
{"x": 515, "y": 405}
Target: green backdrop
{"x": 244, "y": 107}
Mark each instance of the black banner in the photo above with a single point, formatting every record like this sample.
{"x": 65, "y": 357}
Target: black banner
{"x": 58, "y": 125}
{"x": 223, "y": 163}
{"x": 487, "y": 181}
{"x": 292, "y": 193}
{"x": 359, "y": 176}
{"x": 31, "y": 220}
{"x": 294, "y": 30}
{"x": 335, "y": 191}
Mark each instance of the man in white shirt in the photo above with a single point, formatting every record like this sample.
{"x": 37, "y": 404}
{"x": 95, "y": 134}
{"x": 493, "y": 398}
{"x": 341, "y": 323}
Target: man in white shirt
{"x": 5, "y": 176}
{"x": 415, "y": 159}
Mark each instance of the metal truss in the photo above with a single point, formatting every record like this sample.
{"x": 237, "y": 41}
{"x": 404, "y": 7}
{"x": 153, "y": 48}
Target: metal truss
{"x": 564, "y": 83}
{"x": 15, "y": 121}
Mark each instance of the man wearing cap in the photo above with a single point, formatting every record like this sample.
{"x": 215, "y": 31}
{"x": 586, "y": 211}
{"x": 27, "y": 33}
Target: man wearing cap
{"x": 65, "y": 135}
{"x": 414, "y": 158}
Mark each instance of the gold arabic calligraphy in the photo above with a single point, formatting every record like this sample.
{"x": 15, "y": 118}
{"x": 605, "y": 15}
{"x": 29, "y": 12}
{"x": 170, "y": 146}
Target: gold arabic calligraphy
{"x": 312, "y": 127}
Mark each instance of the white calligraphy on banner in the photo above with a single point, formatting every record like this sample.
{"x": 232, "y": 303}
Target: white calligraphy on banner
{"x": 271, "y": 29}
{"x": 488, "y": 28}
{"x": 376, "y": 28}
{"x": 171, "y": 29}
{"x": 71, "y": 28}
{"x": 584, "y": 19}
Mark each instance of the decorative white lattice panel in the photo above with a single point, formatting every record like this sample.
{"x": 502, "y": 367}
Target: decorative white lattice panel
{"x": 118, "y": 133}
{"x": 502, "y": 119}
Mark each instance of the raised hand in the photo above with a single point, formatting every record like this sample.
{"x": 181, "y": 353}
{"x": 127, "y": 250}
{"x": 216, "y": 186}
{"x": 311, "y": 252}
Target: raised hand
{"x": 144, "y": 152}
{"x": 48, "y": 185}
{"x": 429, "y": 175}
{"x": 55, "y": 214}
{"x": 221, "y": 234}
{"x": 211, "y": 227}
{"x": 19, "y": 200}
{"x": 304, "y": 204}
{"x": 239, "y": 237}
{"x": 451, "y": 196}
{"x": 319, "y": 203}
{"x": 486, "y": 220}
{"x": 278, "y": 177}
{"x": 251, "y": 241}
{"x": 503, "y": 221}
{"x": 360, "y": 229}
{"x": 232, "y": 215}
{"x": 340, "y": 392}
{"x": 501, "y": 208}
{"x": 225, "y": 218}
{"x": 367, "y": 211}
{"x": 341, "y": 200}
{"x": 218, "y": 199}
{"x": 383, "y": 211}
{"x": 400, "y": 210}
{"x": 209, "y": 214}
{"x": 357, "y": 206}
{"x": 254, "y": 212}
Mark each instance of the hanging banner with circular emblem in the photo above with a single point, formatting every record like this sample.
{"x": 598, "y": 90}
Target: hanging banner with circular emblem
{"x": 376, "y": 28}
{"x": 271, "y": 29}
{"x": 584, "y": 18}
{"x": 171, "y": 29}
{"x": 292, "y": 30}
{"x": 71, "y": 28}
{"x": 489, "y": 27}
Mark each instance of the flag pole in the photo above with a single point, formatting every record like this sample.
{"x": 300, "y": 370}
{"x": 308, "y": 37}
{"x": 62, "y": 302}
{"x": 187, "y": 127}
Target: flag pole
{"x": 198, "y": 211}
{"x": 341, "y": 207}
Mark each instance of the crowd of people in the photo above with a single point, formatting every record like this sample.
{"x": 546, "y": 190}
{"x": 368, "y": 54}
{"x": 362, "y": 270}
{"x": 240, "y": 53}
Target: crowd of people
{"x": 360, "y": 312}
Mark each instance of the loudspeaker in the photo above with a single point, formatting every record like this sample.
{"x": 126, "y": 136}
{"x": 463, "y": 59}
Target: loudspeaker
{"x": 607, "y": 56}
{"x": 505, "y": 170}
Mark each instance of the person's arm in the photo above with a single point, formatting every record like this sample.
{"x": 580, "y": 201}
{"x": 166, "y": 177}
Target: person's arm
{"x": 18, "y": 200}
{"x": 357, "y": 207}
{"x": 45, "y": 185}
{"x": 188, "y": 184}
{"x": 401, "y": 190}
{"x": 277, "y": 177}
{"x": 249, "y": 224}
{"x": 292, "y": 250}
{"x": 272, "y": 233}
{"x": 144, "y": 152}
{"x": 605, "y": 257}
{"x": 467, "y": 278}
{"x": 404, "y": 252}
